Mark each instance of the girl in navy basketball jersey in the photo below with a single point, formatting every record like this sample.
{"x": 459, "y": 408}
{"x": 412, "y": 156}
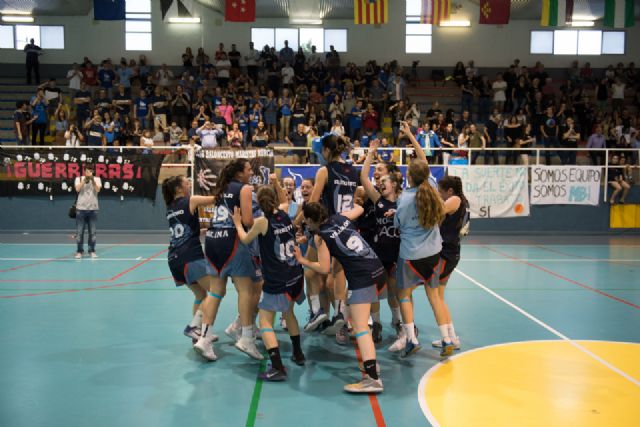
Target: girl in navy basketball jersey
{"x": 364, "y": 272}
{"x": 186, "y": 259}
{"x": 227, "y": 256}
{"x": 456, "y": 209}
{"x": 336, "y": 185}
{"x": 284, "y": 279}
{"x": 386, "y": 237}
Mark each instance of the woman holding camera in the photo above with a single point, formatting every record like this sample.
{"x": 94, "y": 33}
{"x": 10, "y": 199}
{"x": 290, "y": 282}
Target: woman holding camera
{"x": 87, "y": 187}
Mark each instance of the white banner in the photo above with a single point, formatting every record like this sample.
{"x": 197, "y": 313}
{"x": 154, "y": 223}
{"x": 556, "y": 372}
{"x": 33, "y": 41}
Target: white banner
{"x": 494, "y": 191}
{"x": 565, "y": 185}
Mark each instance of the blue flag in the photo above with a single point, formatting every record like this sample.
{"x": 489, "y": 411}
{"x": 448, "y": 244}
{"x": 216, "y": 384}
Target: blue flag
{"x": 109, "y": 10}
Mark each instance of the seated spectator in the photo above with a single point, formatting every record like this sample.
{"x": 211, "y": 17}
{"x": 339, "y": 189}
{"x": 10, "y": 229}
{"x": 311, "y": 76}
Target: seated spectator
{"x": 235, "y": 137}
{"x": 175, "y": 134}
{"x": 617, "y": 180}
{"x": 260, "y": 137}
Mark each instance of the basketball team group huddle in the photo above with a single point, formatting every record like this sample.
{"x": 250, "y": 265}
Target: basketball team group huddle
{"x": 352, "y": 240}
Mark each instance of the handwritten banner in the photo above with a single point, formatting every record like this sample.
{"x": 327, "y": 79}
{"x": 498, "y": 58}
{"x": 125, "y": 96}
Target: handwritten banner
{"x": 565, "y": 185}
{"x": 494, "y": 191}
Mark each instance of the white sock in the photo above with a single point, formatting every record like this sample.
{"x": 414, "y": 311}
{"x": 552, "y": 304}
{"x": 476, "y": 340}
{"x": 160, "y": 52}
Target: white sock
{"x": 197, "y": 319}
{"x": 344, "y": 309}
{"x": 452, "y": 332}
{"x": 375, "y": 315}
{"x": 315, "y": 303}
{"x": 336, "y": 307}
{"x": 396, "y": 316}
{"x": 247, "y": 331}
{"x": 409, "y": 328}
{"x": 444, "y": 331}
{"x": 236, "y": 322}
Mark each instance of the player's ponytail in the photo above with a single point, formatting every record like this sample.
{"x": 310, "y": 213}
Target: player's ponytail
{"x": 335, "y": 144}
{"x": 428, "y": 202}
{"x": 227, "y": 175}
{"x": 169, "y": 187}
{"x": 267, "y": 199}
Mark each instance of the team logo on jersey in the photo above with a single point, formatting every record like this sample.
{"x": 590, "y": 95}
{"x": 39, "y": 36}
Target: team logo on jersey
{"x": 206, "y": 179}
{"x": 380, "y": 205}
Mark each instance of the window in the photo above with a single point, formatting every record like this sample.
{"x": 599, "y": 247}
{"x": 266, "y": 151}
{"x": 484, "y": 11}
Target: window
{"x": 138, "y": 25}
{"x": 263, "y": 36}
{"x": 6, "y": 37}
{"x": 304, "y": 37}
{"x": 541, "y": 42}
{"x": 312, "y": 37}
{"x": 565, "y": 42}
{"x": 578, "y": 42}
{"x": 613, "y": 43}
{"x": 288, "y": 34}
{"x": 24, "y": 33}
{"x": 52, "y": 37}
{"x": 335, "y": 38}
{"x": 418, "y": 36}
{"x": 589, "y": 42}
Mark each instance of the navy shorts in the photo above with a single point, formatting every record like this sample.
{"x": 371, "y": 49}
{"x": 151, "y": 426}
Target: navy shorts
{"x": 280, "y": 302}
{"x": 229, "y": 261}
{"x": 367, "y": 295}
{"x": 257, "y": 275}
{"x": 190, "y": 272}
{"x": 411, "y": 273}
{"x": 447, "y": 266}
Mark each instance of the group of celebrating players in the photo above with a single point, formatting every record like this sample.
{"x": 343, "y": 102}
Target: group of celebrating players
{"x": 353, "y": 242}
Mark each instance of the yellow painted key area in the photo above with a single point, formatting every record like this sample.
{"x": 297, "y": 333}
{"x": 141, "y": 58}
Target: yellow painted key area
{"x": 535, "y": 383}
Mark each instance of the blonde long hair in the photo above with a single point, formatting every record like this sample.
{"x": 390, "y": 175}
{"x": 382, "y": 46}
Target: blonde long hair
{"x": 428, "y": 202}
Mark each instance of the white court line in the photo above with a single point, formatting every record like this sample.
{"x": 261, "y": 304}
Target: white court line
{"x": 423, "y": 404}
{"x": 549, "y": 328}
{"x": 425, "y": 378}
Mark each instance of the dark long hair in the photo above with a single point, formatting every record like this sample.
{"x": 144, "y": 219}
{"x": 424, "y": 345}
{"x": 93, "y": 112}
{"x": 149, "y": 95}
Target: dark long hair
{"x": 227, "y": 175}
{"x": 455, "y": 183}
{"x": 335, "y": 144}
{"x": 169, "y": 187}
{"x": 315, "y": 212}
{"x": 267, "y": 199}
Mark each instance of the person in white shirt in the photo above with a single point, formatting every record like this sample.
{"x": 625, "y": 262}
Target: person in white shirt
{"x": 87, "y": 187}
{"x": 209, "y": 135}
{"x": 223, "y": 65}
{"x": 252, "y": 59}
{"x": 73, "y": 136}
{"x": 499, "y": 93}
{"x": 617, "y": 95}
{"x": 287, "y": 76}
{"x": 164, "y": 76}
{"x": 314, "y": 59}
{"x": 75, "y": 78}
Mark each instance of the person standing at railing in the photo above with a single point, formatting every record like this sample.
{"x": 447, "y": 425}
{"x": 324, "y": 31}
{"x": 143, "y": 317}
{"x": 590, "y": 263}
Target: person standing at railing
{"x": 617, "y": 180}
{"x": 22, "y": 121}
{"x": 39, "y": 110}
{"x": 570, "y": 138}
{"x": 87, "y": 187}
{"x": 33, "y": 51}
{"x": 478, "y": 142}
{"x": 209, "y": 135}
{"x": 549, "y": 132}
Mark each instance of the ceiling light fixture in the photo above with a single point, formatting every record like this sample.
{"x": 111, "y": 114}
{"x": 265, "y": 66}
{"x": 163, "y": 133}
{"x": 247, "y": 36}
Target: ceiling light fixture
{"x": 23, "y": 18}
{"x": 14, "y": 12}
{"x": 184, "y": 20}
{"x": 304, "y": 21}
{"x": 458, "y": 23}
{"x": 581, "y": 23}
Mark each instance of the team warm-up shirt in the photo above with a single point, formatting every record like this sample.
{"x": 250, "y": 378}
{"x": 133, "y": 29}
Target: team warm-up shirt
{"x": 361, "y": 264}
{"x": 450, "y": 232}
{"x": 386, "y": 241}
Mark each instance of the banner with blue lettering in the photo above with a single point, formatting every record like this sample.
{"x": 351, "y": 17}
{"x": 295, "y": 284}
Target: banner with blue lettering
{"x": 565, "y": 185}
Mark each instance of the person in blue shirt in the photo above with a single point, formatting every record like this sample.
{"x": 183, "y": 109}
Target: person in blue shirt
{"x": 419, "y": 213}
{"x": 39, "y": 111}
{"x": 355, "y": 120}
{"x": 141, "y": 110}
{"x": 124, "y": 76}
{"x": 106, "y": 76}
{"x": 366, "y": 139}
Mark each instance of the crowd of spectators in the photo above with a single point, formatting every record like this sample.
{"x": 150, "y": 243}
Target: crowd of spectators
{"x": 265, "y": 97}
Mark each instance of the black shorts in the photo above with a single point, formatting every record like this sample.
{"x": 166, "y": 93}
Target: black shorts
{"x": 447, "y": 265}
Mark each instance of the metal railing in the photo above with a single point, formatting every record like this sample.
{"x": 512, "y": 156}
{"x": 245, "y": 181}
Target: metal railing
{"x": 287, "y": 150}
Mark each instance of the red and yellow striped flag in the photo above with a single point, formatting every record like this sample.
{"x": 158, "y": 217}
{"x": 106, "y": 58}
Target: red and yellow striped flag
{"x": 370, "y": 11}
{"x": 435, "y": 11}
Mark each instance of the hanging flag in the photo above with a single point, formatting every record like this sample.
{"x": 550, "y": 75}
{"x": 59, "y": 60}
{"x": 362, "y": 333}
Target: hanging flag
{"x": 109, "y": 10}
{"x": 495, "y": 12}
{"x": 435, "y": 11}
{"x": 240, "y": 10}
{"x": 176, "y": 9}
{"x": 556, "y": 13}
{"x": 370, "y": 11}
{"x": 619, "y": 13}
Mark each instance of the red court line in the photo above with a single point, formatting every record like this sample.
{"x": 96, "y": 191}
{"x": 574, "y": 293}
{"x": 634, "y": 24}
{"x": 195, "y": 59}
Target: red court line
{"x": 66, "y": 291}
{"x": 544, "y": 248}
{"x": 566, "y": 279}
{"x": 137, "y": 265}
{"x": 373, "y": 399}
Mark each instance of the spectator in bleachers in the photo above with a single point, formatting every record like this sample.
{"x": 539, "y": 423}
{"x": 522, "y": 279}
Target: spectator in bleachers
{"x": 33, "y": 51}
{"x": 187, "y": 59}
{"x": 39, "y": 110}
{"x": 74, "y": 75}
{"x": 478, "y": 142}
{"x": 260, "y": 136}
{"x": 22, "y": 121}
{"x": 122, "y": 101}
{"x": 597, "y": 141}
{"x": 106, "y": 76}
{"x": 62, "y": 124}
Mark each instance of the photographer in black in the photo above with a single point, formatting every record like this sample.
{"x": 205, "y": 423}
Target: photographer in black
{"x": 73, "y": 136}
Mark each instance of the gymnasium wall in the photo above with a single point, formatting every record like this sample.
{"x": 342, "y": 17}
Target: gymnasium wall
{"x": 489, "y": 46}
{"x": 38, "y": 214}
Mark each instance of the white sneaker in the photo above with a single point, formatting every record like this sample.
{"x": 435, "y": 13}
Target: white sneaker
{"x": 400, "y": 343}
{"x": 94, "y": 255}
{"x": 233, "y": 330}
{"x": 283, "y": 323}
{"x": 204, "y": 348}
{"x": 438, "y": 343}
{"x": 78, "y": 255}
{"x": 366, "y": 385}
{"x": 248, "y": 345}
